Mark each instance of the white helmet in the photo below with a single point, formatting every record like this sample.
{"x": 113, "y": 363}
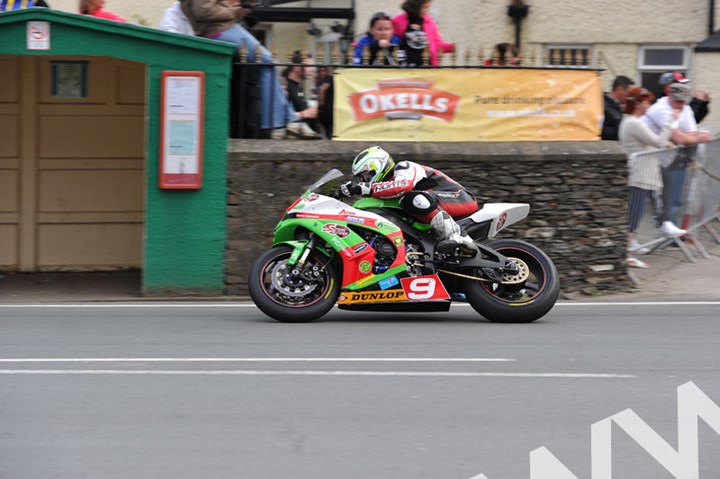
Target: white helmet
{"x": 372, "y": 165}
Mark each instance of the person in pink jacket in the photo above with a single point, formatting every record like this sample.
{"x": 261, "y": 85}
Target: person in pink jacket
{"x": 418, "y": 31}
{"x": 96, "y": 8}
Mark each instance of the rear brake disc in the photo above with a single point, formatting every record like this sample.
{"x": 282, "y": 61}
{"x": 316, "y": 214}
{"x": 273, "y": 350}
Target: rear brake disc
{"x": 521, "y": 274}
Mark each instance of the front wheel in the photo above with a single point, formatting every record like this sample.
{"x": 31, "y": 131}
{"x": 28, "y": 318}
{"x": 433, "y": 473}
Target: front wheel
{"x": 289, "y": 294}
{"x": 523, "y": 296}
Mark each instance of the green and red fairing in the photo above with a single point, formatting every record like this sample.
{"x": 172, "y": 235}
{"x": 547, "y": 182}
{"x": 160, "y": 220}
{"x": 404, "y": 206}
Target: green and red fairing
{"x": 330, "y": 219}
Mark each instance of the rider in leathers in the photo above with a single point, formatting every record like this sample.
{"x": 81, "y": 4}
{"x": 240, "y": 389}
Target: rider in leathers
{"x": 426, "y": 194}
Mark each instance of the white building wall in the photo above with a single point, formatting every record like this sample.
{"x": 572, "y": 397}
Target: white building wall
{"x": 135, "y": 11}
{"x": 707, "y": 77}
{"x": 617, "y": 21}
{"x": 469, "y": 22}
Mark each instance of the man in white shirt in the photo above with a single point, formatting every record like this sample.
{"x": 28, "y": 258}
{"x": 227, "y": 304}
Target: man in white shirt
{"x": 685, "y": 133}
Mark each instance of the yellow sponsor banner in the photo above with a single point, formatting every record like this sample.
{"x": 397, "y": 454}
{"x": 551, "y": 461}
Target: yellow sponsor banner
{"x": 388, "y": 296}
{"x": 488, "y": 104}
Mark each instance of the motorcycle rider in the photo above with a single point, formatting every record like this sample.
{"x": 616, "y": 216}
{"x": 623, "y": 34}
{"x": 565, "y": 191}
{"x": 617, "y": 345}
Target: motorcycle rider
{"x": 426, "y": 194}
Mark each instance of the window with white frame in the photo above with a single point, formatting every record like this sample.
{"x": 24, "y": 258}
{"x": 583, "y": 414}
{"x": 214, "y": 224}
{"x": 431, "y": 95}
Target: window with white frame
{"x": 654, "y": 60}
{"x": 569, "y": 55}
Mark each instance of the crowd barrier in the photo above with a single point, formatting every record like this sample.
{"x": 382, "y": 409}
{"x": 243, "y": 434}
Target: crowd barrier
{"x": 695, "y": 197}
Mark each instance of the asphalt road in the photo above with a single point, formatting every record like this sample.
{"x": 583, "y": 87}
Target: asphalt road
{"x": 220, "y": 391}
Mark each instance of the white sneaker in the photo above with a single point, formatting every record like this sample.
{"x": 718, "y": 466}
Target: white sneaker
{"x": 636, "y": 263}
{"x": 669, "y": 230}
{"x": 278, "y": 134}
{"x": 637, "y": 248}
{"x": 302, "y": 130}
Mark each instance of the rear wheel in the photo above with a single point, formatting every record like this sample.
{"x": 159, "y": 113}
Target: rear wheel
{"x": 289, "y": 294}
{"x": 524, "y": 295}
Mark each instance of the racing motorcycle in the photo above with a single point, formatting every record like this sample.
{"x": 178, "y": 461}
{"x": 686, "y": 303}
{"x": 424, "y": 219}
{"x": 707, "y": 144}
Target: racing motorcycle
{"x": 372, "y": 256}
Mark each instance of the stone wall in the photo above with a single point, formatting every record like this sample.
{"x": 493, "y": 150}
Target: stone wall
{"x": 577, "y": 193}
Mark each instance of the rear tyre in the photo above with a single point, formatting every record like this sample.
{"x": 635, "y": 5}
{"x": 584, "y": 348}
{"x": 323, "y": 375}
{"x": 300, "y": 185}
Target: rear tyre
{"x": 529, "y": 296}
{"x": 281, "y": 293}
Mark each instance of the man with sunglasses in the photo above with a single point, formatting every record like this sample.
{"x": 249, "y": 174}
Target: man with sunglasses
{"x": 700, "y": 103}
{"x": 677, "y": 96}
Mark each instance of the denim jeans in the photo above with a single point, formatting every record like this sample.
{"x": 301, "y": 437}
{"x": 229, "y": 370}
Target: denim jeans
{"x": 673, "y": 192}
{"x": 637, "y": 199}
{"x": 276, "y": 111}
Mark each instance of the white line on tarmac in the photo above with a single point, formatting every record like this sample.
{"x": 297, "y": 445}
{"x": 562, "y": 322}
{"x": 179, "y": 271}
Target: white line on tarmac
{"x": 126, "y": 360}
{"x": 160, "y": 372}
{"x": 140, "y": 305}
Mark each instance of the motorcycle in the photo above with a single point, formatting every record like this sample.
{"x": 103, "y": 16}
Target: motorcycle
{"x": 372, "y": 256}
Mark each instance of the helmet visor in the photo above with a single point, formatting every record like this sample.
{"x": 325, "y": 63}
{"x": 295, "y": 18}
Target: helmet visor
{"x": 366, "y": 176}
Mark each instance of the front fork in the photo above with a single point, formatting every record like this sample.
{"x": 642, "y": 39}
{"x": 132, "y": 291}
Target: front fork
{"x": 298, "y": 260}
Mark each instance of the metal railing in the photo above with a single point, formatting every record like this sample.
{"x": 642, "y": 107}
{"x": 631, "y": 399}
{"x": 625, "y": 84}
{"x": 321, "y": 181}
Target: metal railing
{"x": 247, "y": 83}
{"x": 693, "y": 203}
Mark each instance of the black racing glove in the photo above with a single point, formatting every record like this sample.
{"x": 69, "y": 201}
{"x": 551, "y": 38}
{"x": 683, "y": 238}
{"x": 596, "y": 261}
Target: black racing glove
{"x": 351, "y": 188}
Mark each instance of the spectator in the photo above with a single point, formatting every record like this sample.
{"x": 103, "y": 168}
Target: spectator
{"x": 613, "y": 107}
{"x": 677, "y": 96}
{"x": 310, "y": 72}
{"x": 501, "y": 53}
{"x": 8, "y": 5}
{"x": 418, "y": 31}
{"x": 321, "y": 76}
{"x": 217, "y": 19}
{"x": 174, "y": 20}
{"x": 302, "y": 69}
{"x": 644, "y": 176}
{"x": 376, "y": 47}
{"x": 699, "y": 103}
{"x": 326, "y": 103}
{"x": 96, "y": 8}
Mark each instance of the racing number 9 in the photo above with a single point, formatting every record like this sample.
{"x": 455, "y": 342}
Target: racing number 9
{"x": 421, "y": 288}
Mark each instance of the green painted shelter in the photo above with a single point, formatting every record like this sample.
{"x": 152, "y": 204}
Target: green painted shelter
{"x": 80, "y": 141}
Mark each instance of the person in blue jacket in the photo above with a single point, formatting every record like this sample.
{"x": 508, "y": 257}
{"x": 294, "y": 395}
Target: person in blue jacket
{"x": 7, "y": 5}
{"x": 376, "y": 47}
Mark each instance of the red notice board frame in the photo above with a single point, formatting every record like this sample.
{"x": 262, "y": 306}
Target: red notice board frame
{"x": 182, "y": 128}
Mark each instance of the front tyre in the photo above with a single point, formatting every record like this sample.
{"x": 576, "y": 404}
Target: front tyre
{"x": 522, "y": 297}
{"x": 286, "y": 294}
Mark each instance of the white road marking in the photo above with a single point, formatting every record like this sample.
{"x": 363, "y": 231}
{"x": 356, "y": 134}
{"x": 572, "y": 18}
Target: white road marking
{"x": 125, "y": 360}
{"x": 140, "y": 305}
{"x": 160, "y": 372}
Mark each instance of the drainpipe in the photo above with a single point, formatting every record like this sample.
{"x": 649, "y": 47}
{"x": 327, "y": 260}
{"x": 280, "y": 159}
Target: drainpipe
{"x": 517, "y": 10}
{"x": 711, "y": 18}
